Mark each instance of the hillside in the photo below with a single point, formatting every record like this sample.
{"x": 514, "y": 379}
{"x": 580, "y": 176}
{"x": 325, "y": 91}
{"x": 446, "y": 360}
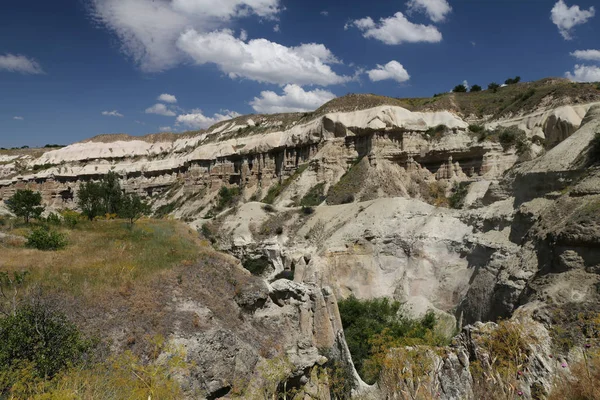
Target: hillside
{"x": 458, "y": 234}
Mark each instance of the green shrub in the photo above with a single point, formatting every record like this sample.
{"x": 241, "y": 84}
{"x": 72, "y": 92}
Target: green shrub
{"x": 493, "y": 87}
{"x": 275, "y": 190}
{"x": 511, "y": 136}
{"x": 45, "y": 239}
{"x": 315, "y": 196}
{"x": 512, "y": 81}
{"x": 475, "y": 88}
{"x": 307, "y": 210}
{"x": 268, "y": 208}
{"x": 476, "y": 128}
{"x": 44, "y": 339}
{"x": 436, "y": 132}
{"x": 364, "y": 320}
{"x": 256, "y": 266}
{"x": 227, "y": 197}
{"x": 459, "y": 89}
{"x": 165, "y": 210}
{"x": 71, "y": 218}
{"x": 349, "y": 184}
{"x": 53, "y": 219}
{"x": 459, "y": 192}
{"x": 273, "y": 193}
{"x": 594, "y": 152}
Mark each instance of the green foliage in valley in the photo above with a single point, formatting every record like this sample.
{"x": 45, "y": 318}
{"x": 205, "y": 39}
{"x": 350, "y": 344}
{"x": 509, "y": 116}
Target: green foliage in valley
{"x": 367, "y": 322}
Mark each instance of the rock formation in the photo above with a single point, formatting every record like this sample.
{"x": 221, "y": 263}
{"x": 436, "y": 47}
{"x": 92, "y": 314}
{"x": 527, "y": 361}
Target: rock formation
{"x": 522, "y": 239}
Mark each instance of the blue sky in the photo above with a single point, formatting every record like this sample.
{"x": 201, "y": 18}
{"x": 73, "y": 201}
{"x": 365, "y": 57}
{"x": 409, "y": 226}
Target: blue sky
{"x": 72, "y": 69}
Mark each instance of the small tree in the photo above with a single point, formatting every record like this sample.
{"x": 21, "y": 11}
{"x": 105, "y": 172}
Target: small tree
{"x": 512, "y": 81}
{"x": 133, "y": 207}
{"x": 459, "y": 89}
{"x": 475, "y": 88}
{"x": 26, "y": 204}
{"x": 90, "y": 199}
{"x": 99, "y": 198}
{"x": 112, "y": 193}
{"x": 493, "y": 87}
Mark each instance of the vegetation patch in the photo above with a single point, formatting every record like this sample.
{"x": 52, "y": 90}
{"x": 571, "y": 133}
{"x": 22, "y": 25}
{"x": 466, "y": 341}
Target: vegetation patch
{"x": 277, "y": 189}
{"x": 104, "y": 254}
{"x": 40, "y": 339}
{"x": 350, "y": 184}
{"x": 256, "y": 266}
{"x": 43, "y": 238}
{"x": 315, "y": 196}
{"x": 274, "y": 225}
{"x": 594, "y": 152}
{"x": 227, "y": 197}
{"x": 459, "y": 192}
{"x": 436, "y": 133}
{"x": 372, "y": 327}
{"x": 436, "y": 194}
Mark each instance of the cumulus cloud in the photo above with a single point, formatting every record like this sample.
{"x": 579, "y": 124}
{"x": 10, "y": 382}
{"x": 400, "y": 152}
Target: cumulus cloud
{"x": 148, "y": 29}
{"x": 392, "y": 70}
{"x": 396, "y": 30}
{"x": 436, "y": 10}
{"x": 165, "y": 129}
{"x": 293, "y": 99}
{"x": 113, "y": 113}
{"x": 160, "y": 109}
{"x": 584, "y": 73}
{"x": 159, "y": 35}
{"x": 21, "y": 64}
{"x": 566, "y": 18}
{"x": 276, "y": 28}
{"x": 167, "y": 98}
{"x": 18, "y": 118}
{"x": 261, "y": 60}
{"x": 197, "y": 120}
{"x": 590, "y": 55}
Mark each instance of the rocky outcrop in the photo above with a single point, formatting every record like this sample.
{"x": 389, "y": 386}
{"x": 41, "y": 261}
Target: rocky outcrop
{"x": 361, "y": 206}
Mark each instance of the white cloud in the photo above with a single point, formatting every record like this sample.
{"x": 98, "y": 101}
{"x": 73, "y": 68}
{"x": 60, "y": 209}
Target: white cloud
{"x": 276, "y": 28}
{"x": 392, "y": 70}
{"x": 18, "y": 118}
{"x": 325, "y": 13}
{"x": 584, "y": 73}
{"x": 466, "y": 84}
{"x": 590, "y": 55}
{"x": 148, "y": 29}
{"x": 261, "y": 60}
{"x": 293, "y": 99}
{"x": 244, "y": 35}
{"x": 21, "y": 64}
{"x": 566, "y": 18}
{"x": 396, "y": 30}
{"x": 160, "y": 34}
{"x": 160, "y": 109}
{"x": 167, "y": 98}
{"x": 436, "y": 10}
{"x": 113, "y": 113}
{"x": 197, "y": 120}
{"x": 165, "y": 129}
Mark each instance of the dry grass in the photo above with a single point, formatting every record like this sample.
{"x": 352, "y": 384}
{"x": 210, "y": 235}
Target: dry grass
{"x": 103, "y": 254}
